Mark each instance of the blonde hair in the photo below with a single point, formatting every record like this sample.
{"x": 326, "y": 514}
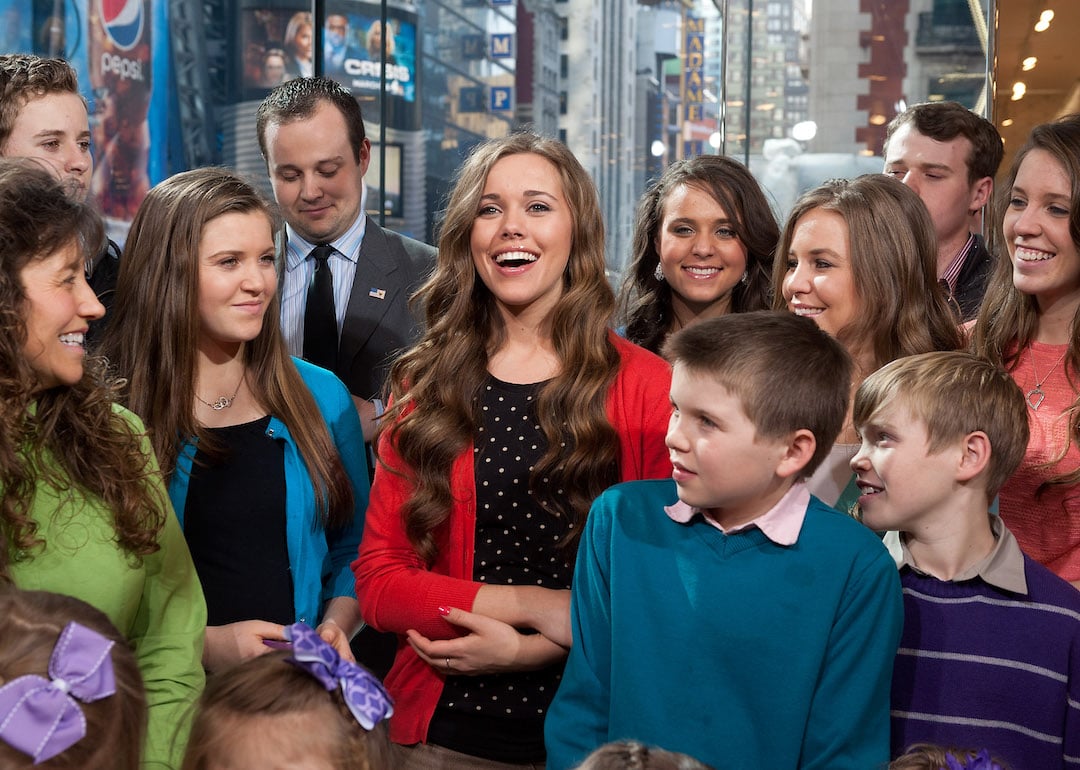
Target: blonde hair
{"x": 954, "y": 394}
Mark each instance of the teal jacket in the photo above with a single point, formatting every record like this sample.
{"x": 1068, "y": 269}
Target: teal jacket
{"x": 319, "y": 560}
{"x": 733, "y": 649}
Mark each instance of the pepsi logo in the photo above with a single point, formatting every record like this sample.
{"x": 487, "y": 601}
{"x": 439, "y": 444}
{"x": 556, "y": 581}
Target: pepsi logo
{"x": 123, "y": 22}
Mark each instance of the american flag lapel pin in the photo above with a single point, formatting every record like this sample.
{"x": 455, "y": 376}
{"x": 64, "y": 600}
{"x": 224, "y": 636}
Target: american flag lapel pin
{"x": 377, "y": 293}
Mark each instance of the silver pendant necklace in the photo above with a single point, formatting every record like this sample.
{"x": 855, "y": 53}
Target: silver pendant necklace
{"x": 1036, "y": 396}
{"x": 223, "y": 402}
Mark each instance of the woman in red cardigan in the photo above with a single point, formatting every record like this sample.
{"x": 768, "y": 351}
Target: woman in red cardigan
{"x": 515, "y": 410}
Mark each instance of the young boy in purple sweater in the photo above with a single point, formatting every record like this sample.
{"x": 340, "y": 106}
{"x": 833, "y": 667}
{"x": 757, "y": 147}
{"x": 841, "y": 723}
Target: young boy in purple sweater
{"x": 990, "y": 653}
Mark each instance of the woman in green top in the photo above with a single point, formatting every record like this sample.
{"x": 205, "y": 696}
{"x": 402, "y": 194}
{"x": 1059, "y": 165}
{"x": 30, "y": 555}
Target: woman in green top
{"x": 83, "y": 510}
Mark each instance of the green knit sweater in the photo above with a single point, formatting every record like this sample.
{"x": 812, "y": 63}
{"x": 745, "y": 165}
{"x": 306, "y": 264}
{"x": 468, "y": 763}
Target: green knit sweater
{"x": 157, "y": 605}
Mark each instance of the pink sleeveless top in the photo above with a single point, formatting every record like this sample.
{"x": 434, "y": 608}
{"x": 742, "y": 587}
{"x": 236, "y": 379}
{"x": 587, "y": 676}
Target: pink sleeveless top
{"x": 1047, "y": 527}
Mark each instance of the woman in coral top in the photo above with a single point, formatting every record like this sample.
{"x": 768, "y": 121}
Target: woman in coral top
{"x": 1030, "y": 324}
{"x": 516, "y": 409}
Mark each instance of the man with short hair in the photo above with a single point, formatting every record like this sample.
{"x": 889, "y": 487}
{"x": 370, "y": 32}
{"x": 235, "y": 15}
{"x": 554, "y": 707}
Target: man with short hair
{"x": 949, "y": 156}
{"x": 311, "y": 133}
{"x": 43, "y": 116}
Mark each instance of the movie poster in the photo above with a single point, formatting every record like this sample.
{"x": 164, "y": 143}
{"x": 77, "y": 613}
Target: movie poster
{"x": 353, "y": 42}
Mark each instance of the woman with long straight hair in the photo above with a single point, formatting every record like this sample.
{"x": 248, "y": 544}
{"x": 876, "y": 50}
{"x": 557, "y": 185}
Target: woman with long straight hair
{"x": 515, "y": 410}
{"x": 1029, "y": 324}
{"x": 263, "y": 453}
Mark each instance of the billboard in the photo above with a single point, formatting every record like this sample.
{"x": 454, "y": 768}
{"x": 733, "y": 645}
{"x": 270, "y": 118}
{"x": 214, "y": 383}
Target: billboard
{"x": 353, "y": 41}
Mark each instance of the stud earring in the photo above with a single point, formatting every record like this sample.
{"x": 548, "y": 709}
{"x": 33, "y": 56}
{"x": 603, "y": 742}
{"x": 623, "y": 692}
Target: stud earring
{"x": 658, "y": 273}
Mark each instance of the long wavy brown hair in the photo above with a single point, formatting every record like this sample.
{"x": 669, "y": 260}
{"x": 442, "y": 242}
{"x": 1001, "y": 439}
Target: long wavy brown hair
{"x": 69, "y": 437}
{"x": 152, "y": 339}
{"x": 436, "y": 385}
{"x": 644, "y": 301}
{"x": 893, "y": 253}
{"x": 1009, "y": 319}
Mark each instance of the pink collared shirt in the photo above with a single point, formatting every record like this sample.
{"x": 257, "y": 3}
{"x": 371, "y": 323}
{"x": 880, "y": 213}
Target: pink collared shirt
{"x": 781, "y": 523}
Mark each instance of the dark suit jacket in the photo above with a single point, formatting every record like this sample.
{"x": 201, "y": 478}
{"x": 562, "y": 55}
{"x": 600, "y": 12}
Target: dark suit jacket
{"x": 378, "y": 323}
{"x": 971, "y": 282}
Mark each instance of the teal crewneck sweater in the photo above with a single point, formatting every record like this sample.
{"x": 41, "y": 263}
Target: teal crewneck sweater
{"x": 730, "y": 648}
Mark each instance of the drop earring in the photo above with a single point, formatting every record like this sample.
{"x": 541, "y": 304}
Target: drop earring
{"x": 658, "y": 273}
{"x": 745, "y": 277}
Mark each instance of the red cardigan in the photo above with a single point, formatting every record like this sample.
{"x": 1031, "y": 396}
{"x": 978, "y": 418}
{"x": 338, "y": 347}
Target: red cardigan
{"x": 397, "y": 592}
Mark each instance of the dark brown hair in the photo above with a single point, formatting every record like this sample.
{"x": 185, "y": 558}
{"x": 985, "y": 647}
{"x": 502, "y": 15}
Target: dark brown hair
{"x": 155, "y": 329}
{"x": 944, "y": 121}
{"x": 115, "y": 725}
{"x": 1008, "y": 319}
{"x": 761, "y": 358}
{"x": 92, "y": 447}
{"x": 644, "y": 301}
{"x": 299, "y": 98}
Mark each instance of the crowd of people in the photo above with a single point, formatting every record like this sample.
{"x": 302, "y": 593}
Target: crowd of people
{"x": 282, "y": 487}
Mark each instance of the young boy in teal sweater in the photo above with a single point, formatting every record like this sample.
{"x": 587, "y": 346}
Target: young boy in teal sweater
{"x": 990, "y": 654}
{"x": 726, "y": 613}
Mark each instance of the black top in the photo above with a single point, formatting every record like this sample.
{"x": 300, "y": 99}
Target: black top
{"x": 102, "y": 279}
{"x": 234, "y": 522}
{"x": 501, "y": 717}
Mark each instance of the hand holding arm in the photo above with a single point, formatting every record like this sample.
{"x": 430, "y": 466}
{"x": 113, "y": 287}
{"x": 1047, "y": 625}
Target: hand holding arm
{"x": 546, "y": 610}
{"x": 491, "y": 646}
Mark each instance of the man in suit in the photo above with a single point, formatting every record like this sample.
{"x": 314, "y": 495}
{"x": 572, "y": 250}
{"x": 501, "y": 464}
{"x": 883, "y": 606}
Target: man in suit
{"x": 949, "y": 156}
{"x": 311, "y": 134}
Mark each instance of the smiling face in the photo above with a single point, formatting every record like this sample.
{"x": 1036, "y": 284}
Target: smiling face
{"x": 59, "y": 306}
{"x": 895, "y": 451}
{"x": 55, "y": 128}
{"x": 317, "y": 182}
{"x": 721, "y": 464}
{"x": 237, "y": 278}
{"x": 819, "y": 282}
{"x": 522, "y": 235}
{"x": 700, "y": 253}
{"x": 1045, "y": 259}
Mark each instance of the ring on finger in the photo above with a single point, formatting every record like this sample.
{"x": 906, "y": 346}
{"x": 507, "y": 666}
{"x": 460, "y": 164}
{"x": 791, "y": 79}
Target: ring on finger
{"x": 448, "y": 666}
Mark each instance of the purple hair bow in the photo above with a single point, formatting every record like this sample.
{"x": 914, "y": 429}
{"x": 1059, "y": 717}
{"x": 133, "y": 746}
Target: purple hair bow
{"x": 368, "y": 702}
{"x": 980, "y": 761}
{"x": 40, "y": 716}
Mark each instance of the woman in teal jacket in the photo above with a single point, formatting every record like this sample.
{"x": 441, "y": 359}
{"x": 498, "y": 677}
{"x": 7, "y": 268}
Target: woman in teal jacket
{"x": 264, "y": 454}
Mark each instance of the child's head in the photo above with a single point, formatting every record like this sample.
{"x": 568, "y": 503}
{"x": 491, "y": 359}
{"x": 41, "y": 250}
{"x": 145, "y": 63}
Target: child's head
{"x": 631, "y": 755}
{"x": 783, "y": 376}
{"x": 291, "y": 708}
{"x": 926, "y": 756}
{"x": 51, "y": 637}
{"x": 912, "y": 410}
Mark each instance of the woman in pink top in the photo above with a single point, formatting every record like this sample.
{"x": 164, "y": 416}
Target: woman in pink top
{"x": 1030, "y": 324}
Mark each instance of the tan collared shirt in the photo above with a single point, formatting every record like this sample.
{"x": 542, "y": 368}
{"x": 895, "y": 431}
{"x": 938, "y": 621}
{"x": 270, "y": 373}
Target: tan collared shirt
{"x": 1003, "y": 567}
